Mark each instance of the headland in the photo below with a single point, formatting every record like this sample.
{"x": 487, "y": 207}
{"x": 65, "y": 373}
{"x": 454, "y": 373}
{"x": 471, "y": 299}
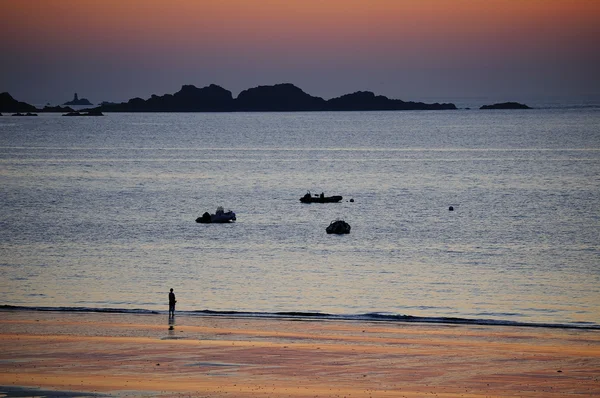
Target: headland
{"x": 284, "y": 97}
{"x": 277, "y": 98}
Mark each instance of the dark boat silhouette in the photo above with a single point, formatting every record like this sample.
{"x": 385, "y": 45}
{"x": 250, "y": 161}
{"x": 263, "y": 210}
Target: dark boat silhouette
{"x": 308, "y": 198}
{"x": 220, "y": 216}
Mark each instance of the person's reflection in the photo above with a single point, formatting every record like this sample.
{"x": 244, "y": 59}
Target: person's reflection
{"x": 171, "y": 325}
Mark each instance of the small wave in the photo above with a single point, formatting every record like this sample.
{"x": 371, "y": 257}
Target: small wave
{"x": 78, "y": 309}
{"x": 13, "y": 391}
{"x": 301, "y": 315}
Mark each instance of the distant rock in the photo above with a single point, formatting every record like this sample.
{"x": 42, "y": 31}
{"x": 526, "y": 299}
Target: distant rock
{"x": 9, "y": 104}
{"x": 506, "y": 105}
{"x": 278, "y": 98}
{"x": 367, "y": 101}
{"x": 90, "y": 113}
{"x": 76, "y": 101}
{"x": 94, "y": 112}
{"x": 56, "y": 109}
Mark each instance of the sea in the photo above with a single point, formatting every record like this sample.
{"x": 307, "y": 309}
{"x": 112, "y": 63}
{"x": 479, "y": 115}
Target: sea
{"x": 98, "y": 214}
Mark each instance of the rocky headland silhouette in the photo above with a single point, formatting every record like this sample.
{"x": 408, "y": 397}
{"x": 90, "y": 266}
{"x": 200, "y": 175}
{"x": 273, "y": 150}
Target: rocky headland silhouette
{"x": 367, "y": 101}
{"x": 284, "y": 97}
{"x": 9, "y": 104}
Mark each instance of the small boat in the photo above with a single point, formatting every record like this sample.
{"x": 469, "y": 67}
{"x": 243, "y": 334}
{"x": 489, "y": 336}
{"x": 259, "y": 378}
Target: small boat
{"x": 220, "y": 216}
{"x": 338, "y": 227}
{"x": 308, "y": 198}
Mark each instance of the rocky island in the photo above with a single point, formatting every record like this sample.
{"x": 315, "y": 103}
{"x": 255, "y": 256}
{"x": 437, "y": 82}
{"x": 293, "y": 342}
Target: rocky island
{"x": 506, "y": 105}
{"x": 56, "y": 109}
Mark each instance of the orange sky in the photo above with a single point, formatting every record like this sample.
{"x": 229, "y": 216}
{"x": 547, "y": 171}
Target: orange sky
{"x": 326, "y": 47}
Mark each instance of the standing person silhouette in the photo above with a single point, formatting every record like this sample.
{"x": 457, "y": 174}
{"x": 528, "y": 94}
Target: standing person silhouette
{"x": 172, "y": 302}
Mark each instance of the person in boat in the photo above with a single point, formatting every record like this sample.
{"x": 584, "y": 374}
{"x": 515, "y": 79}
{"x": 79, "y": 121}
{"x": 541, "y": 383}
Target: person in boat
{"x": 322, "y": 195}
{"x": 172, "y": 302}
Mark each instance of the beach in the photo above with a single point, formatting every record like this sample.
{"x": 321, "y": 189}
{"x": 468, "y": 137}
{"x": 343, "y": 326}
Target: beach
{"x": 48, "y": 353}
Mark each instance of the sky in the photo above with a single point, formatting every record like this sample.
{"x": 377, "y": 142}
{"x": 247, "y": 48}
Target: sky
{"x": 437, "y": 50}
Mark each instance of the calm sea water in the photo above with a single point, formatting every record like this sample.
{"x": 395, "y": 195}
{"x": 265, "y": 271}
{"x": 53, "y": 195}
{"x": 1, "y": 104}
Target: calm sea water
{"x": 99, "y": 213}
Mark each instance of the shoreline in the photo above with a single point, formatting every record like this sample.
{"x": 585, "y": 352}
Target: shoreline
{"x": 118, "y": 354}
{"x": 312, "y": 316}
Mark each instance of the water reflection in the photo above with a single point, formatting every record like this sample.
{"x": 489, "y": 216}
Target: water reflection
{"x": 171, "y": 323}
{"x": 523, "y": 241}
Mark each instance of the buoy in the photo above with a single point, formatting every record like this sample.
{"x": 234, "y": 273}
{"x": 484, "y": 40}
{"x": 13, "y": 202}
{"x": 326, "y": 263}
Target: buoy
{"x": 451, "y": 208}
{"x": 351, "y": 200}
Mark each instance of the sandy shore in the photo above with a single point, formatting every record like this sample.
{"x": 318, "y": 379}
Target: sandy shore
{"x": 125, "y": 354}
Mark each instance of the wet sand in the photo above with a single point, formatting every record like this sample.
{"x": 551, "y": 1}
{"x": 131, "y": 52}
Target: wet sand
{"x": 137, "y": 355}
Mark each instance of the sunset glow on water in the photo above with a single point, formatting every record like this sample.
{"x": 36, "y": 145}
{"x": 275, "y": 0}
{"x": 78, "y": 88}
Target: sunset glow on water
{"x": 100, "y": 213}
